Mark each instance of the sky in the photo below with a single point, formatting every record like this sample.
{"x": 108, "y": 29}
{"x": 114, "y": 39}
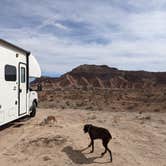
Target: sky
{"x": 63, "y": 34}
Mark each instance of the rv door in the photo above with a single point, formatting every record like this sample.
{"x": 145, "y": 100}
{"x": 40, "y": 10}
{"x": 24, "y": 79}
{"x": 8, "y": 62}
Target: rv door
{"x": 22, "y": 89}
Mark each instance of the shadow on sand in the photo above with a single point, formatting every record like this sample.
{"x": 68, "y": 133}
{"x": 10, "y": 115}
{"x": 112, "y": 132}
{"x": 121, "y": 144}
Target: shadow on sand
{"x": 15, "y": 124}
{"x": 78, "y": 157}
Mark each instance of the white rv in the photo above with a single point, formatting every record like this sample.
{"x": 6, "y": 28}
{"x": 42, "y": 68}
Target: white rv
{"x": 16, "y": 67}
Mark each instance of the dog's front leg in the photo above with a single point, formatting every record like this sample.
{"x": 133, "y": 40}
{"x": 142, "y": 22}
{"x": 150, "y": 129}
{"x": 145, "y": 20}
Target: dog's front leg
{"x": 92, "y": 144}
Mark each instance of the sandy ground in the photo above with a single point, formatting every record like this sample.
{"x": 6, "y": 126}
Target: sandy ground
{"x": 138, "y": 139}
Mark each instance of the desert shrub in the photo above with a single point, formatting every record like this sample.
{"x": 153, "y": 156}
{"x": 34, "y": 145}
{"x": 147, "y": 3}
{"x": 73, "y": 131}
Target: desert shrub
{"x": 46, "y": 158}
{"x": 50, "y": 99}
{"x": 148, "y": 95}
{"x": 67, "y": 103}
{"x": 48, "y": 121}
{"x": 156, "y": 110}
{"x": 130, "y": 107}
{"x": 89, "y": 108}
{"x": 62, "y": 107}
{"x": 147, "y": 118}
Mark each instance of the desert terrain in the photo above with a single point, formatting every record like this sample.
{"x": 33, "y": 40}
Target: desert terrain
{"x": 94, "y": 87}
{"x": 139, "y": 139}
{"x": 130, "y": 104}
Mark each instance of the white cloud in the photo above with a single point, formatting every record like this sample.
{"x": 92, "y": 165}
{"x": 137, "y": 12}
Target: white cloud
{"x": 147, "y": 25}
{"x": 61, "y": 26}
{"x": 135, "y": 40}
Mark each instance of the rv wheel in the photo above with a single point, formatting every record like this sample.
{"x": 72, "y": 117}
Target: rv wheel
{"x": 33, "y": 108}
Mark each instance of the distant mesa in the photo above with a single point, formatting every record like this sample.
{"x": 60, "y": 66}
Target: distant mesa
{"x": 103, "y": 76}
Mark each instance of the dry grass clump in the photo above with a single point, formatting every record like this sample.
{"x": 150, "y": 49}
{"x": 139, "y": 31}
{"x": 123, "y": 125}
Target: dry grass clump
{"x": 156, "y": 110}
{"x": 50, "y": 120}
{"x": 148, "y": 117}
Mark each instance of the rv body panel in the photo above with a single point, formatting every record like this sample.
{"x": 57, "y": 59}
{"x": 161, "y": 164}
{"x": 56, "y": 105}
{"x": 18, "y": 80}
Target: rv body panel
{"x": 14, "y": 82}
{"x": 10, "y": 95}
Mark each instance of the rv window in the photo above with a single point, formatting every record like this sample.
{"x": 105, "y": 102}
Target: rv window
{"x": 10, "y": 73}
{"x": 22, "y": 75}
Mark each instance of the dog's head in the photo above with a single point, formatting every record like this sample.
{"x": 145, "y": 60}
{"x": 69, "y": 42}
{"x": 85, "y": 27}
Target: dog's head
{"x": 87, "y": 127}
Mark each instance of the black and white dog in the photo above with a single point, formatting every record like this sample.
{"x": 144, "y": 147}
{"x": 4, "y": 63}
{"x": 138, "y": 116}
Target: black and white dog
{"x": 98, "y": 133}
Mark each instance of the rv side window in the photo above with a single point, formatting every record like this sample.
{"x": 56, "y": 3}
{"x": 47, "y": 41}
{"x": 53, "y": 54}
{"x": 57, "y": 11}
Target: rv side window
{"x": 22, "y": 75}
{"x": 10, "y": 73}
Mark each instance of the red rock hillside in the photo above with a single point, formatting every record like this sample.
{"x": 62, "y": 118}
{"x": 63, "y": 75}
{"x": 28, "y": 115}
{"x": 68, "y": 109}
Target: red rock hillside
{"x": 87, "y": 76}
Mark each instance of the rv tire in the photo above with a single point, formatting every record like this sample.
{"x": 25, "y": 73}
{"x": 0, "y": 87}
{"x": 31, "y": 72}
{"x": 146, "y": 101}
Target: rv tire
{"x": 33, "y": 108}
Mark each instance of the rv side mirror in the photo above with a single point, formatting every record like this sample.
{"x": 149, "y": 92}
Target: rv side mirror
{"x": 39, "y": 87}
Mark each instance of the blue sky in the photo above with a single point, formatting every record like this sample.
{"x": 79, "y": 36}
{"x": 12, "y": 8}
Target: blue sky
{"x": 63, "y": 34}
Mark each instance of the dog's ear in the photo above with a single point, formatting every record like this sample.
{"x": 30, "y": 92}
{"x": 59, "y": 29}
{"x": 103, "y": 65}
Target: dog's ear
{"x": 89, "y": 127}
